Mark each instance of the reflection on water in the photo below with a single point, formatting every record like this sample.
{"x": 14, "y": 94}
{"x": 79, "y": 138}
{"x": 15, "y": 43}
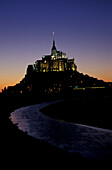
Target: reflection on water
{"x": 91, "y": 142}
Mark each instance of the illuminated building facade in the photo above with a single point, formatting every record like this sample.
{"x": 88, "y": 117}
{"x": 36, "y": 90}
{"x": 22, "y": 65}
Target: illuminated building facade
{"x": 57, "y": 61}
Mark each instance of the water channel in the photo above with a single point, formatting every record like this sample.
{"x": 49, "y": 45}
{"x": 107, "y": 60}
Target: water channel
{"x": 91, "y": 142}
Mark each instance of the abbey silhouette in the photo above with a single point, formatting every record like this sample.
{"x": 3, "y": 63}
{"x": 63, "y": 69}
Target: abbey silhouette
{"x": 56, "y": 61}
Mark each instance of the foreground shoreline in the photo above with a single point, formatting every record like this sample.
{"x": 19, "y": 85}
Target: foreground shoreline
{"x": 25, "y": 150}
{"x": 87, "y": 141}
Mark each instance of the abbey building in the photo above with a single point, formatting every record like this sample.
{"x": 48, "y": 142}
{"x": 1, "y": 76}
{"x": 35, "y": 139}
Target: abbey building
{"x": 56, "y": 61}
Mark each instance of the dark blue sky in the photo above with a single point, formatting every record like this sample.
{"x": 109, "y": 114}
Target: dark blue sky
{"x": 83, "y": 29}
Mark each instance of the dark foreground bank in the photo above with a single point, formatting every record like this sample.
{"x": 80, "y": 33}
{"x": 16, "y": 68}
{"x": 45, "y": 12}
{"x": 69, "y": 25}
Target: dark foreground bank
{"x": 93, "y": 108}
{"x": 18, "y": 150}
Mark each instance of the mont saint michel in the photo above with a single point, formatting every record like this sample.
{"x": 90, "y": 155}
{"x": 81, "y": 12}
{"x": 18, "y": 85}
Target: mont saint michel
{"x": 54, "y": 74}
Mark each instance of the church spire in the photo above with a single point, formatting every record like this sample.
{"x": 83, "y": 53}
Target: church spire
{"x": 53, "y": 50}
{"x": 53, "y": 40}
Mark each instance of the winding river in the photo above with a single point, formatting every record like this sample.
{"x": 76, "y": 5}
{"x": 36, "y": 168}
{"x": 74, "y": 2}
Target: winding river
{"x": 91, "y": 142}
